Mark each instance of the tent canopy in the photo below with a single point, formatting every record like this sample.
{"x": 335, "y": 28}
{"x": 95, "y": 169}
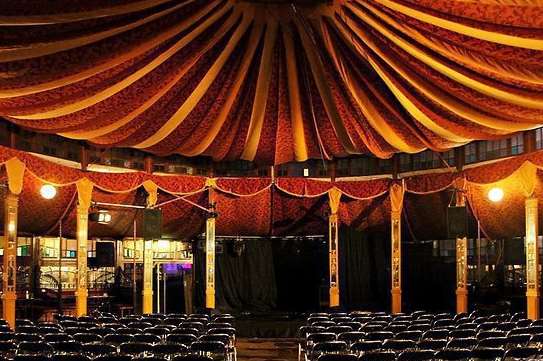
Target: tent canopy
{"x": 274, "y": 81}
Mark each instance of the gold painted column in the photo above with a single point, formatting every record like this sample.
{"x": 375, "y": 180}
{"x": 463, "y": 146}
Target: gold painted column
{"x": 396, "y": 201}
{"x": 10, "y": 257}
{"x": 461, "y": 275}
{"x": 334, "y": 196}
{"x": 210, "y": 262}
{"x": 532, "y": 259}
{"x": 147, "y": 293}
{"x": 15, "y": 171}
{"x": 148, "y": 256}
{"x": 84, "y": 192}
{"x": 461, "y": 255}
{"x": 81, "y": 293}
{"x": 210, "y": 248}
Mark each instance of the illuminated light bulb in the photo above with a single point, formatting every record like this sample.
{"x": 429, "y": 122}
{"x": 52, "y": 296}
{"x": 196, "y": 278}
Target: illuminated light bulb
{"x": 47, "y": 191}
{"x": 495, "y": 194}
{"x": 11, "y": 227}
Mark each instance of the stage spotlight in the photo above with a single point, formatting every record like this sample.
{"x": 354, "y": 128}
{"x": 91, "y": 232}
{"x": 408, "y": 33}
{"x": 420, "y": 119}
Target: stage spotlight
{"x": 495, "y": 194}
{"x": 101, "y": 216}
{"x": 47, "y": 191}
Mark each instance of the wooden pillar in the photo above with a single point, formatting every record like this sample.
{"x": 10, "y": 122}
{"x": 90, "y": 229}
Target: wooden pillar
{"x": 147, "y": 293}
{"x": 12, "y": 135}
{"x": 395, "y": 166}
{"x": 11, "y": 207}
{"x": 461, "y": 275}
{"x": 532, "y": 259}
{"x": 82, "y": 292}
{"x": 148, "y": 164}
{"x": 529, "y": 141}
{"x": 396, "y": 199}
{"x": 84, "y": 154}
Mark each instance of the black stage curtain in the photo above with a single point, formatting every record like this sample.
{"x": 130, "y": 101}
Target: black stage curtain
{"x": 245, "y": 281}
{"x": 301, "y": 268}
{"x": 428, "y": 279}
{"x": 278, "y": 275}
{"x": 198, "y": 275}
{"x": 364, "y": 270}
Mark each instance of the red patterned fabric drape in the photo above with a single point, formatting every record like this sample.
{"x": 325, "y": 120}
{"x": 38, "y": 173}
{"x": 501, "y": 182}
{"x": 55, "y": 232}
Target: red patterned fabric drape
{"x": 501, "y": 169}
{"x": 303, "y": 186}
{"x": 430, "y": 183}
{"x": 298, "y": 216}
{"x": 291, "y": 206}
{"x": 248, "y": 215}
{"x": 371, "y": 214}
{"x": 181, "y": 220}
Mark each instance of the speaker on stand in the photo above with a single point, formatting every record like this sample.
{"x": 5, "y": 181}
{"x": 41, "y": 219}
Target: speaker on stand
{"x": 152, "y": 224}
{"x": 457, "y": 222}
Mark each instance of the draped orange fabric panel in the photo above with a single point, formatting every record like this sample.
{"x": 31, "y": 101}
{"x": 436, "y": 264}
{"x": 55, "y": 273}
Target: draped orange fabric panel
{"x": 271, "y": 82}
{"x": 282, "y": 206}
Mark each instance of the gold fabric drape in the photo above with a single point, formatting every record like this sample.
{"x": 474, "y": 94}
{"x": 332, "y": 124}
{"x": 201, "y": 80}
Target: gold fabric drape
{"x": 273, "y": 83}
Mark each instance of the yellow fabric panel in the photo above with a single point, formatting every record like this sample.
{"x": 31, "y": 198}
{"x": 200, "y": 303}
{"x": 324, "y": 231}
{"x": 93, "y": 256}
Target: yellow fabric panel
{"x": 262, "y": 86}
{"x": 300, "y": 145}
{"x": 215, "y": 128}
{"x": 528, "y": 178}
{"x": 44, "y": 19}
{"x": 411, "y": 108}
{"x": 15, "y": 170}
{"x": 513, "y": 98}
{"x": 211, "y": 183}
{"x": 41, "y": 49}
{"x": 129, "y": 80}
{"x": 95, "y": 133}
{"x": 152, "y": 192}
{"x": 396, "y": 198}
{"x": 506, "y": 2}
{"x": 334, "y": 199}
{"x": 200, "y": 90}
{"x": 324, "y": 90}
{"x": 87, "y": 73}
{"x": 510, "y": 40}
{"x": 84, "y": 192}
{"x": 459, "y": 55}
{"x": 502, "y": 126}
{"x": 365, "y": 105}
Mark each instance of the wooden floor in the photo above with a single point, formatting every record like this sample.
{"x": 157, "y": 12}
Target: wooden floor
{"x": 269, "y": 349}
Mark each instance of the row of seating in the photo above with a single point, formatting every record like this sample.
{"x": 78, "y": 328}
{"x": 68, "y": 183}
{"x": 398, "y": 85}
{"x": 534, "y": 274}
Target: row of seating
{"x": 106, "y": 337}
{"x": 390, "y": 337}
{"x": 478, "y": 354}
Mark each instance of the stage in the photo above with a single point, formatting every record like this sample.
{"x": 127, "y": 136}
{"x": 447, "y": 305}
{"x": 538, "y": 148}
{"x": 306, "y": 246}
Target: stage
{"x": 271, "y": 325}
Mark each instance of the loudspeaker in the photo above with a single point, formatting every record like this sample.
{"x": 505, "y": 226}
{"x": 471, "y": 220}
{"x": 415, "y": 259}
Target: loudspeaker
{"x": 105, "y": 254}
{"x": 514, "y": 252}
{"x": 457, "y": 222}
{"x": 152, "y": 224}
